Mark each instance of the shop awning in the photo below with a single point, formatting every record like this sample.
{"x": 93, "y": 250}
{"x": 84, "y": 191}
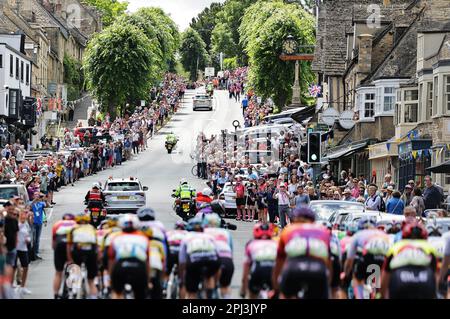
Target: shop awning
{"x": 284, "y": 114}
{"x": 303, "y": 114}
{"x": 443, "y": 168}
{"x": 351, "y": 149}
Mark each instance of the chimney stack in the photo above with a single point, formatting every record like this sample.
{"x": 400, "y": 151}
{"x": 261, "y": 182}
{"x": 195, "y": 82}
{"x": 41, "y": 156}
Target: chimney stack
{"x": 365, "y": 53}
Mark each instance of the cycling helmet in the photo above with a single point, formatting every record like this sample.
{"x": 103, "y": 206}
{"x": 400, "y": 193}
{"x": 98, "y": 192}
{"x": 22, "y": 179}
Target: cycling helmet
{"x": 384, "y": 226}
{"x": 366, "y": 223}
{"x": 128, "y": 222}
{"x": 195, "y": 224}
{"x": 351, "y": 228}
{"x": 112, "y": 221}
{"x": 218, "y": 207}
{"x": 414, "y": 230}
{"x": 396, "y": 227}
{"x": 212, "y": 220}
{"x": 147, "y": 230}
{"x": 146, "y": 214}
{"x": 180, "y": 225}
{"x": 183, "y": 181}
{"x": 83, "y": 217}
{"x": 263, "y": 231}
{"x": 96, "y": 185}
{"x": 304, "y": 212}
{"x": 207, "y": 191}
{"x": 68, "y": 216}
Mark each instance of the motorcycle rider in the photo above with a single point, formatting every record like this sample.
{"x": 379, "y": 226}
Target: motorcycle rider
{"x": 171, "y": 139}
{"x": 185, "y": 192}
{"x": 95, "y": 198}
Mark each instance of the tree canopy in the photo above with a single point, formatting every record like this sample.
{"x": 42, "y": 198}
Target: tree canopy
{"x": 193, "y": 53}
{"x": 119, "y": 65}
{"x": 110, "y": 9}
{"x": 205, "y": 22}
{"x": 264, "y": 28}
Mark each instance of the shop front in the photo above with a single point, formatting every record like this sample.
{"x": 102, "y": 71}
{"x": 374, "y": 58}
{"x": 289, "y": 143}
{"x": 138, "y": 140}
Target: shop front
{"x": 414, "y": 159}
{"x": 383, "y": 159}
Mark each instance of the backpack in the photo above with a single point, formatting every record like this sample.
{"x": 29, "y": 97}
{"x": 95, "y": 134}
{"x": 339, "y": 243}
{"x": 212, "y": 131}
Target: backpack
{"x": 382, "y": 207}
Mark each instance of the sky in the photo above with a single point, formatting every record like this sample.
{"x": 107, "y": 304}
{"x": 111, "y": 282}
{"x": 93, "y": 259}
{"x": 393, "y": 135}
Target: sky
{"x": 181, "y": 11}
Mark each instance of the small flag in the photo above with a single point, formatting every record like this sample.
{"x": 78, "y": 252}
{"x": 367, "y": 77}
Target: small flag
{"x": 38, "y": 107}
{"x": 315, "y": 90}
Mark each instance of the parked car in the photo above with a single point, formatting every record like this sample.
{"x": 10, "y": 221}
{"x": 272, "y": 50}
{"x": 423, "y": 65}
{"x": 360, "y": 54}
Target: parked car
{"x": 7, "y": 191}
{"x": 228, "y": 198}
{"x": 340, "y": 219}
{"x": 325, "y": 208}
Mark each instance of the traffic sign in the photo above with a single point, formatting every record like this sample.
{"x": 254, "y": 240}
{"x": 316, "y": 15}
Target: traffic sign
{"x": 322, "y": 127}
{"x": 209, "y": 72}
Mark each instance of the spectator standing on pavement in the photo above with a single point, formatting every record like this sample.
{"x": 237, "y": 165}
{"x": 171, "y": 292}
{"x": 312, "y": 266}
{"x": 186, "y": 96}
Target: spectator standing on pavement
{"x": 417, "y": 201}
{"x": 37, "y": 207}
{"x": 24, "y": 239}
{"x": 283, "y": 197}
{"x": 11, "y": 231}
{"x": 395, "y": 205}
{"x": 407, "y": 195}
{"x": 373, "y": 202}
{"x": 244, "y": 104}
{"x": 431, "y": 195}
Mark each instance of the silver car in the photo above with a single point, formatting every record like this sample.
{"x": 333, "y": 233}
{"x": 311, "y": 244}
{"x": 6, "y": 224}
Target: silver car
{"x": 124, "y": 195}
{"x": 202, "y": 101}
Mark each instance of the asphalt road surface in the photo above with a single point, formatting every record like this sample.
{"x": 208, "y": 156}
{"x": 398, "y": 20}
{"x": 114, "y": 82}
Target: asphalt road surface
{"x": 161, "y": 172}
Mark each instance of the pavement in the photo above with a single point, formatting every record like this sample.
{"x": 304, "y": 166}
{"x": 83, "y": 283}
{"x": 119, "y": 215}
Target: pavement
{"x": 161, "y": 172}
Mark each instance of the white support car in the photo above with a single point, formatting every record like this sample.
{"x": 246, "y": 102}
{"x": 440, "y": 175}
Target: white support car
{"x": 124, "y": 195}
{"x": 202, "y": 101}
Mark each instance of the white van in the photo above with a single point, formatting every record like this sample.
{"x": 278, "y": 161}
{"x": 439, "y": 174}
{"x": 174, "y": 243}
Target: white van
{"x": 7, "y": 191}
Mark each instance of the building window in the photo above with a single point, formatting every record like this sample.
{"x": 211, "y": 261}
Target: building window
{"x": 435, "y": 95}
{"x": 21, "y": 71}
{"x": 369, "y": 105}
{"x": 420, "y": 101}
{"x": 28, "y": 74}
{"x": 429, "y": 112}
{"x": 411, "y": 113}
{"x": 17, "y": 68}
{"x": 447, "y": 92}
{"x": 389, "y": 99}
{"x": 397, "y": 113}
{"x": 11, "y": 65}
{"x": 13, "y": 101}
{"x": 411, "y": 95}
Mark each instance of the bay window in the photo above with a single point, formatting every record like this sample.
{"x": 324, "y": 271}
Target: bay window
{"x": 411, "y": 113}
{"x": 389, "y": 99}
{"x": 447, "y": 92}
{"x": 429, "y": 112}
{"x": 369, "y": 105}
{"x": 435, "y": 95}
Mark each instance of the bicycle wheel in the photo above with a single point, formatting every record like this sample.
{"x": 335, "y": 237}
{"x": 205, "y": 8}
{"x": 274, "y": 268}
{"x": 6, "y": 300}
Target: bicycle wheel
{"x": 194, "y": 171}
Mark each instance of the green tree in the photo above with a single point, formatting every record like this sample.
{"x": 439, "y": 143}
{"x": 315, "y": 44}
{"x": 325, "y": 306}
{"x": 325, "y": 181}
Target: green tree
{"x": 193, "y": 53}
{"x": 73, "y": 77}
{"x": 263, "y": 37}
{"x": 110, "y": 9}
{"x": 120, "y": 66}
{"x": 166, "y": 32}
{"x": 205, "y": 22}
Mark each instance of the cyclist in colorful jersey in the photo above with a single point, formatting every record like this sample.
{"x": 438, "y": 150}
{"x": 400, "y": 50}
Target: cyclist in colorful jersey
{"x": 409, "y": 271}
{"x": 303, "y": 258}
{"x": 444, "y": 275}
{"x": 198, "y": 260}
{"x": 368, "y": 247}
{"x": 335, "y": 248}
{"x": 437, "y": 240}
{"x": 212, "y": 226}
{"x": 156, "y": 233}
{"x": 174, "y": 238}
{"x": 82, "y": 248}
{"x": 259, "y": 259}
{"x": 60, "y": 230}
{"x": 112, "y": 231}
{"x": 351, "y": 229}
{"x": 129, "y": 259}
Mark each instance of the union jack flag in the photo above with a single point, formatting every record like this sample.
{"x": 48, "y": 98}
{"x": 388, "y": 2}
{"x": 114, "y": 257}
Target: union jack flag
{"x": 315, "y": 90}
{"x": 38, "y": 107}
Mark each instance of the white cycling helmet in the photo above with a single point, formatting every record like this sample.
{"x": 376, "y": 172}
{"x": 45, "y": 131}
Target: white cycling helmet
{"x": 96, "y": 185}
{"x": 128, "y": 222}
{"x": 183, "y": 181}
{"x": 207, "y": 191}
